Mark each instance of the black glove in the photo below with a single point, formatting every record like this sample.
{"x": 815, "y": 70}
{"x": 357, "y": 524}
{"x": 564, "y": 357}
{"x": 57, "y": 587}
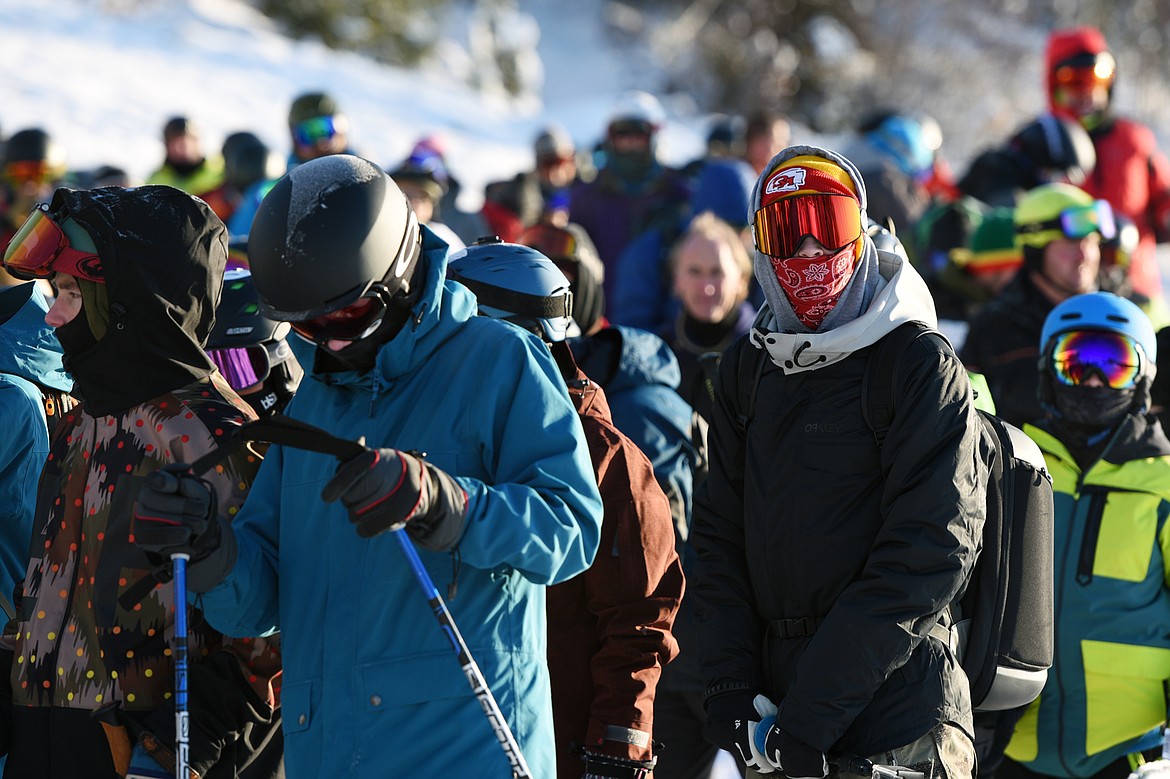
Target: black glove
{"x": 385, "y": 489}
{"x": 794, "y": 758}
{"x": 732, "y": 720}
{"x": 176, "y": 512}
{"x": 608, "y": 767}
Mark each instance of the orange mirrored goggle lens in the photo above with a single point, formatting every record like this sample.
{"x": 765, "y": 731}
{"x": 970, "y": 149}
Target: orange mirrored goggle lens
{"x": 28, "y": 171}
{"x": 40, "y": 248}
{"x": 779, "y": 227}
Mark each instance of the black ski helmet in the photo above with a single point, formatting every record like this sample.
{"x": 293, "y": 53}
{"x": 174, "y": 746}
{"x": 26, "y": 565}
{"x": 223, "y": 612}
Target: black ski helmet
{"x": 327, "y": 232}
{"x": 34, "y": 145}
{"x": 1056, "y": 146}
{"x": 246, "y": 160}
{"x": 250, "y": 349}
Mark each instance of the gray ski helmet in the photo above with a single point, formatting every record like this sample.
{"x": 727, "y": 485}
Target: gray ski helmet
{"x": 326, "y": 233}
{"x": 515, "y": 283}
{"x": 1056, "y": 147}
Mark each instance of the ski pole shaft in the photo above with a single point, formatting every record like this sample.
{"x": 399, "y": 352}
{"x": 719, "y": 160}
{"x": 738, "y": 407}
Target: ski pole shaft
{"x": 182, "y": 715}
{"x": 475, "y": 677}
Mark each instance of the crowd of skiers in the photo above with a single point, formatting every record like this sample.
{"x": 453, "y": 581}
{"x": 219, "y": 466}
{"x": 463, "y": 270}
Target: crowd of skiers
{"x": 620, "y": 412}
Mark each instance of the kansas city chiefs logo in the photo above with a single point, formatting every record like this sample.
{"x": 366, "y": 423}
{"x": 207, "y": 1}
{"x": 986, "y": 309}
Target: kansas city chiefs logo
{"x": 788, "y": 180}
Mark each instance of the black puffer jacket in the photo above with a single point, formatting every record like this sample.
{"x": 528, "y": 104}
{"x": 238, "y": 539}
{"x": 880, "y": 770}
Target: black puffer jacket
{"x": 796, "y": 520}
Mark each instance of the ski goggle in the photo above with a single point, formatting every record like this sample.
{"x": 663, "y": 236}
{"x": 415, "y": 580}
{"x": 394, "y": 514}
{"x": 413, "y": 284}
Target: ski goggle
{"x": 352, "y": 323}
{"x": 247, "y": 366}
{"x": 1094, "y": 70}
{"x": 780, "y": 226}
{"x": 1077, "y": 222}
{"x": 1113, "y": 357}
{"x": 40, "y": 248}
{"x": 311, "y": 131}
{"x": 30, "y": 171}
{"x": 551, "y": 241}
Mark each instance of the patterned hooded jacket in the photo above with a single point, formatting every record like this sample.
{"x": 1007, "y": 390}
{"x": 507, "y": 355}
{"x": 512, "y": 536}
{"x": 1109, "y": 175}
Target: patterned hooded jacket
{"x": 150, "y": 397}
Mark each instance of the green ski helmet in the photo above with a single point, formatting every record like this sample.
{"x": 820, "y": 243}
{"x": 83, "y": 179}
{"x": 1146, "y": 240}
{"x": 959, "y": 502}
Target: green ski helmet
{"x": 1053, "y": 211}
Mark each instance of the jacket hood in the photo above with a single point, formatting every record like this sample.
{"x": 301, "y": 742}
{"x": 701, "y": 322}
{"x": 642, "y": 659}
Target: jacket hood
{"x": 29, "y": 347}
{"x": 163, "y": 254}
{"x": 442, "y": 306}
{"x": 1064, "y": 44}
{"x": 621, "y": 358}
{"x": 902, "y": 296}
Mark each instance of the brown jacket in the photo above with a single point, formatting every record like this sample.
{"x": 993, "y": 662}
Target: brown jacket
{"x": 610, "y": 627}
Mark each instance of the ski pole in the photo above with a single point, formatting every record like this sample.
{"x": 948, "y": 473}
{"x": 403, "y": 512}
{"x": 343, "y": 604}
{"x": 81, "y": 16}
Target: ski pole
{"x": 301, "y": 435}
{"x": 182, "y": 714}
{"x": 475, "y": 677}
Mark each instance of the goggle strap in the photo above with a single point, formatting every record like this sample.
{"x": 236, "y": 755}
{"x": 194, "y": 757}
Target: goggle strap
{"x": 539, "y": 306}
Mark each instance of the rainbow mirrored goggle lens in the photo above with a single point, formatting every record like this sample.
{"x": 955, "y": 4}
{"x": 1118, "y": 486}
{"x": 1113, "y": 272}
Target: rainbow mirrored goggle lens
{"x": 351, "y": 323}
{"x": 780, "y": 226}
{"x": 40, "y": 248}
{"x": 1079, "y": 354}
{"x": 1078, "y": 222}
{"x": 319, "y": 128}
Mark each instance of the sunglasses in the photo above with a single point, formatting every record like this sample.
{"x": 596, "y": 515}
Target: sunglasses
{"x": 1078, "y": 222}
{"x": 311, "y": 131}
{"x": 553, "y": 242}
{"x": 40, "y": 248}
{"x": 1079, "y": 354}
{"x": 352, "y": 323}
{"x": 781, "y": 226}
{"x": 630, "y": 129}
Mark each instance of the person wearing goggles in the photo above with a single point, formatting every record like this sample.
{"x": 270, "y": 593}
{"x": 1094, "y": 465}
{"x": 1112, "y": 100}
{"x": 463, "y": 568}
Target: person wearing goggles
{"x": 317, "y": 127}
{"x": 802, "y": 528}
{"x": 137, "y": 272}
{"x": 1081, "y": 80}
{"x": 1110, "y": 466}
{"x": 1059, "y": 229}
{"x": 474, "y": 452}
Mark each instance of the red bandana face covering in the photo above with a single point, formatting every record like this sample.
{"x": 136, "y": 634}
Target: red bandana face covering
{"x": 813, "y": 284}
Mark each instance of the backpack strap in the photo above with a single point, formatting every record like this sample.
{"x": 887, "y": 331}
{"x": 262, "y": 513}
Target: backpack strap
{"x": 880, "y": 378}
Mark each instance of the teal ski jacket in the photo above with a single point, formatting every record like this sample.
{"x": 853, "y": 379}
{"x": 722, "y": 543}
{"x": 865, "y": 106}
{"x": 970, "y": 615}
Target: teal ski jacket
{"x": 372, "y": 686}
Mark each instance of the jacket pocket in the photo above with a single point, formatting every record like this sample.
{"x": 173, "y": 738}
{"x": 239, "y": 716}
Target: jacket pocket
{"x": 406, "y": 681}
{"x": 1124, "y": 690}
{"x": 298, "y": 702}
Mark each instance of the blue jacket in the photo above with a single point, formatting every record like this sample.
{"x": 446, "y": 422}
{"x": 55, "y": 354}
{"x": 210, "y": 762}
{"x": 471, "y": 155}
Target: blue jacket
{"x": 372, "y": 686}
{"x": 640, "y": 376}
{"x": 29, "y": 353}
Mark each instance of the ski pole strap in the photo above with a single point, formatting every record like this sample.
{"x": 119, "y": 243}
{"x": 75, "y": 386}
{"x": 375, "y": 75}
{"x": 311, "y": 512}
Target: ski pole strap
{"x": 794, "y": 628}
{"x": 285, "y": 432}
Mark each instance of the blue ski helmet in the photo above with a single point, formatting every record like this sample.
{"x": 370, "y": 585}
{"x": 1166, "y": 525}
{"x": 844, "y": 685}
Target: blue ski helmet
{"x": 515, "y": 283}
{"x": 1102, "y": 311}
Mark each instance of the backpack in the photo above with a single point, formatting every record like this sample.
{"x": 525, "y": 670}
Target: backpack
{"x": 1002, "y": 626}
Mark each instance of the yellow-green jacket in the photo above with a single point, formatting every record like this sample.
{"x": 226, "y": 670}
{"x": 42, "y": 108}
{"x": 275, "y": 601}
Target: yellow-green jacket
{"x": 1105, "y": 696}
{"x": 204, "y": 178}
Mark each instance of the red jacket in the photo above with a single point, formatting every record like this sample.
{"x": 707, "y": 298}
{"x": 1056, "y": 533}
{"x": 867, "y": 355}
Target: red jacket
{"x": 1131, "y": 173}
{"x": 610, "y": 627}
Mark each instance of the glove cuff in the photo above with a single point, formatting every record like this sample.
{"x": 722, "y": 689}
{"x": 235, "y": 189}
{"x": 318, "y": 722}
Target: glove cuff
{"x": 205, "y": 573}
{"x": 731, "y": 705}
{"x": 441, "y": 527}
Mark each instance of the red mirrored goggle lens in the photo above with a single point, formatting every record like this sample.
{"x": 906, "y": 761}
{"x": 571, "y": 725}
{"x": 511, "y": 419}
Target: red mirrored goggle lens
{"x": 779, "y": 227}
{"x": 1076, "y": 356}
{"x": 347, "y": 324}
{"x": 40, "y": 248}
{"x": 551, "y": 241}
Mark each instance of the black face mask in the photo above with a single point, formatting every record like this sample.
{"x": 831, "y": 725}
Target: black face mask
{"x": 75, "y": 337}
{"x": 1090, "y": 410}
